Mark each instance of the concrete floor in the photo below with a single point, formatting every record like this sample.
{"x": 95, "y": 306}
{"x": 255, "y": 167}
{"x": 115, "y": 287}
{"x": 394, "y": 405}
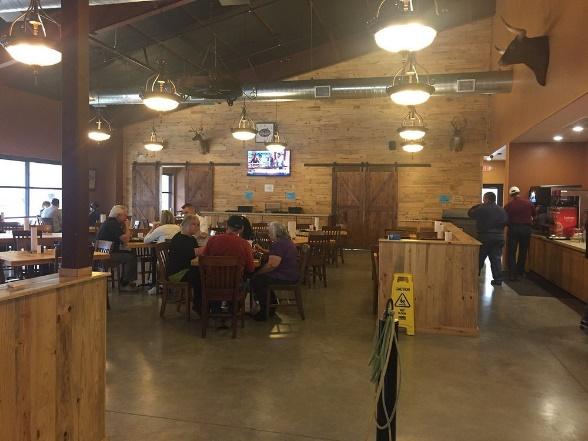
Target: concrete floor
{"x": 524, "y": 378}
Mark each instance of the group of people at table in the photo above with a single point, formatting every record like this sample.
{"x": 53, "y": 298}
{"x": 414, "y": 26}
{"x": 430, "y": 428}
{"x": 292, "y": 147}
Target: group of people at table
{"x": 189, "y": 240}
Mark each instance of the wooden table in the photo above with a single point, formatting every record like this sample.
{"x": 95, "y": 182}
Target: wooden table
{"x": 23, "y": 258}
{"x": 256, "y": 262}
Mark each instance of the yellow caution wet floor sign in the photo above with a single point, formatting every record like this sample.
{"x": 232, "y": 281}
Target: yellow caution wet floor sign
{"x": 403, "y": 299}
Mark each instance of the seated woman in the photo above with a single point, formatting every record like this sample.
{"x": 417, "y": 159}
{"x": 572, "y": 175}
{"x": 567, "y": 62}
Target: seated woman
{"x": 280, "y": 269}
{"x": 163, "y": 230}
{"x": 182, "y": 249}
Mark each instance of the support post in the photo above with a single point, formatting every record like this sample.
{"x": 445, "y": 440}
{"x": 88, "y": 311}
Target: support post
{"x": 74, "y": 127}
{"x": 389, "y": 393}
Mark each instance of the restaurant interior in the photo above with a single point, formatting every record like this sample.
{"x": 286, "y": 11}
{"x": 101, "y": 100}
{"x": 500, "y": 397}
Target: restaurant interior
{"x": 256, "y": 220}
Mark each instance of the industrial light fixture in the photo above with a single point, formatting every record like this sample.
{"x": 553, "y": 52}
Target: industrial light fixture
{"x": 160, "y": 92}
{"x": 402, "y": 30}
{"x": 578, "y": 129}
{"x": 412, "y": 127}
{"x": 412, "y": 146}
{"x": 275, "y": 145}
{"x": 245, "y": 130}
{"x": 407, "y": 88}
{"x": 558, "y": 138}
{"x": 154, "y": 145}
{"x": 28, "y": 41}
{"x": 100, "y": 129}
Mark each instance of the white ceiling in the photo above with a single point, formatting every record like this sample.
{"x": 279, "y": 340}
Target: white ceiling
{"x": 561, "y": 123}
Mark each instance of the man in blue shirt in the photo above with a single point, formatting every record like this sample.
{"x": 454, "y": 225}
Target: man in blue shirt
{"x": 490, "y": 222}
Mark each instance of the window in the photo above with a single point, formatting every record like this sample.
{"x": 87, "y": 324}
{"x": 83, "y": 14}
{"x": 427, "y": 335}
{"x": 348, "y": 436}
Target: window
{"x": 166, "y": 199}
{"x": 25, "y": 185}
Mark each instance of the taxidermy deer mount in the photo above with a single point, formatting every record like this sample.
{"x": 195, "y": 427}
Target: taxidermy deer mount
{"x": 200, "y": 140}
{"x": 456, "y": 142}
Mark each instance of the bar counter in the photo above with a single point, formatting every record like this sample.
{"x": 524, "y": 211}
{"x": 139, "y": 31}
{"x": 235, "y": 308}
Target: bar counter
{"x": 303, "y": 218}
{"x": 445, "y": 277}
{"x": 562, "y": 262}
{"x": 52, "y": 358}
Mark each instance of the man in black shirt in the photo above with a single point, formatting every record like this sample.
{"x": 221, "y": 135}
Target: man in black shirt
{"x": 490, "y": 222}
{"x": 116, "y": 229}
{"x": 182, "y": 249}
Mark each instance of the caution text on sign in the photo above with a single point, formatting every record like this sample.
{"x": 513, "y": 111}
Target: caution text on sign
{"x": 403, "y": 300}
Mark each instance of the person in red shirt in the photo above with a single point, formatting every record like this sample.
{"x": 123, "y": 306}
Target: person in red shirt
{"x": 231, "y": 244}
{"x": 520, "y": 218}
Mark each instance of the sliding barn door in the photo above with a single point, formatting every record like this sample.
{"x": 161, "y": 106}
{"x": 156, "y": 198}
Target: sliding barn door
{"x": 381, "y": 202}
{"x": 348, "y": 202}
{"x": 146, "y": 179}
{"x": 365, "y": 200}
{"x": 199, "y": 186}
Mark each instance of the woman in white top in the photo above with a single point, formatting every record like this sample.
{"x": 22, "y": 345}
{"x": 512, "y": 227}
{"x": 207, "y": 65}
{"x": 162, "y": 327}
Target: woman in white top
{"x": 163, "y": 230}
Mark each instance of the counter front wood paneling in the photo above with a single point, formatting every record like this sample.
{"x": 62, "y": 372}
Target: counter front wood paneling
{"x": 445, "y": 276}
{"x": 52, "y": 359}
{"x": 563, "y": 263}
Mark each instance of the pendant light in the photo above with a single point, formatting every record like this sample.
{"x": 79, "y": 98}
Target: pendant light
{"x": 245, "y": 130}
{"x": 28, "y": 39}
{"x": 100, "y": 129}
{"x": 275, "y": 145}
{"x": 154, "y": 145}
{"x": 160, "y": 92}
{"x": 412, "y": 146}
{"x": 412, "y": 127}
{"x": 402, "y": 30}
{"x": 407, "y": 88}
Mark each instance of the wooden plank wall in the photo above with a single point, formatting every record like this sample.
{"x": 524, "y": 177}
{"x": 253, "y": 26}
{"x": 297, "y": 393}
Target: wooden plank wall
{"x": 52, "y": 364}
{"x": 344, "y": 131}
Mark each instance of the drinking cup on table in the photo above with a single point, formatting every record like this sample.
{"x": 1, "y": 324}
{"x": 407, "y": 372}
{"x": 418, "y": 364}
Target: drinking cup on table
{"x": 440, "y": 234}
{"x": 448, "y": 236}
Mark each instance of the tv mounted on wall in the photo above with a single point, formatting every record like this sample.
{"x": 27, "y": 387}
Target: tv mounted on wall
{"x": 266, "y": 163}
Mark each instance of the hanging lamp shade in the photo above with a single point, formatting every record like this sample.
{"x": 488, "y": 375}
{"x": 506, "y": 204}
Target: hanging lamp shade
{"x": 245, "y": 129}
{"x": 160, "y": 92}
{"x": 408, "y": 87}
{"x": 33, "y": 37}
{"x": 276, "y": 145}
{"x": 100, "y": 129}
{"x": 412, "y": 127}
{"x": 412, "y": 146}
{"x": 398, "y": 28}
{"x": 153, "y": 145}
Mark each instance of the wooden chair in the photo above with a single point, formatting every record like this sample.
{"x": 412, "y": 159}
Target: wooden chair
{"x": 105, "y": 246}
{"x": 9, "y": 226}
{"x": 296, "y": 289}
{"x": 375, "y": 250}
{"x": 221, "y": 278}
{"x": 146, "y": 261}
{"x": 22, "y": 239}
{"x": 179, "y": 293}
{"x": 259, "y": 227}
{"x": 263, "y": 239}
{"x": 336, "y": 246}
{"x": 319, "y": 254}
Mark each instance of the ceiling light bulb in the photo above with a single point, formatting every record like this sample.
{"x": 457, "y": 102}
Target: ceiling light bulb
{"x": 578, "y": 129}
{"x": 410, "y": 94}
{"x": 98, "y": 135}
{"x": 153, "y": 145}
{"x": 412, "y": 133}
{"x": 245, "y": 130}
{"x": 276, "y": 146}
{"x": 412, "y": 147}
{"x": 33, "y": 53}
{"x": 409, "y": 37}
{"x": 558, "y": 138}
{"x": 161, "y": 102}
{"x": 101, "y": 132}
{"x": 243, "y": 134}
{"x": 413, "y": 127}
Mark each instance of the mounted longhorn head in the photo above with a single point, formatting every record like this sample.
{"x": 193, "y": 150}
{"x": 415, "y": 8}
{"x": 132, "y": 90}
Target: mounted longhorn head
{"x": 530, "y": 51}
{"x": 202, "y": 142}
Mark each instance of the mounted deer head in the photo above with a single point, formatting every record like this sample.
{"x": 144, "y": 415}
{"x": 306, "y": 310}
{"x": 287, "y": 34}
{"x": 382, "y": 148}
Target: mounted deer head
{"x": 530, "y": 51}
{"x": 456, "y": 142}
{"x": 200, "y": 140}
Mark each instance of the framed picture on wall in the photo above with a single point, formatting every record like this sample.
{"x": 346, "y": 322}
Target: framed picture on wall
{"x": 92, "y": 179}
{"x": 265, "y": 132}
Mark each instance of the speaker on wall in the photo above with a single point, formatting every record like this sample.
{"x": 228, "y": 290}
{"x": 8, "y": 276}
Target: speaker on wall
{"x": 391, "y": 145}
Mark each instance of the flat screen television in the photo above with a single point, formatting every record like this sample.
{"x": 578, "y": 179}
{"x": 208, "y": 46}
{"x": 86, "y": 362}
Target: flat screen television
{"x": 266, "y": 163}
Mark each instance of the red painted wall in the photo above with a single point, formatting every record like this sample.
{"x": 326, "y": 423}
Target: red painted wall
{"x": 30, "y": 128}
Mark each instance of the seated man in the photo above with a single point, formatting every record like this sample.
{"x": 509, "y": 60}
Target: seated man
{"x": 53, "y": 212}
{"x": 116, "y": 229}
{"x": 280, "y": 269}
{"x": 231, "y": 244}
{"x": 188, "y": 208}
{"x": 182, "y": 249}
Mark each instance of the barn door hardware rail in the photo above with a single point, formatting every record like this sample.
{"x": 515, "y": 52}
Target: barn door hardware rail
{"x": 365, "y": 164}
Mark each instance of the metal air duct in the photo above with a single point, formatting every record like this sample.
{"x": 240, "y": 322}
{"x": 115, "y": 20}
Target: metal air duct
{"x": 9, "y": 6}
{"x": 347, "y": 88}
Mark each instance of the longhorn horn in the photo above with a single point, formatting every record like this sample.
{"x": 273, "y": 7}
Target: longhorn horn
{"x": 500, "y": 51}
{"x": 521, "y": 33}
